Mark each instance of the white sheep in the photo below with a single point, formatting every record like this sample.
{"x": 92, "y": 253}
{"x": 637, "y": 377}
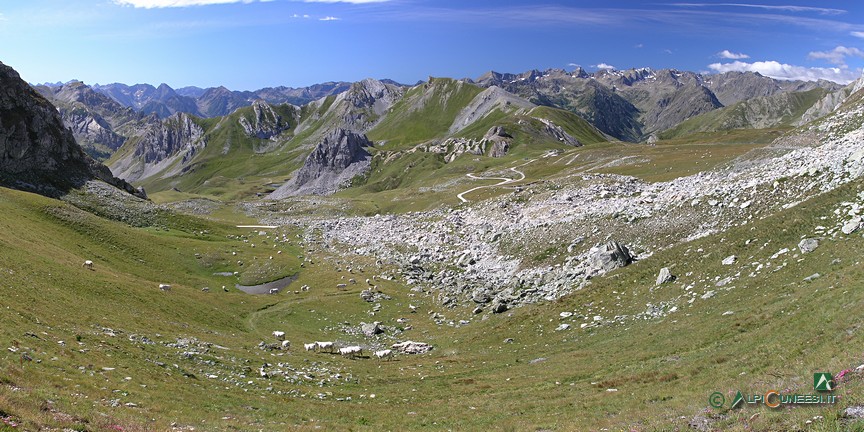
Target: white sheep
{"x": 88, "y": 265}
{"x": 274, "y": 290}
{"x": 165, "y": 287}
{"x": 351, "y": 351}
{"x": 310, "y": 346}
{"x": 384, "y": 354}
{"x": 341, "y": 286}
{"x": 352, "y": 281}
{"x": 286, "y": 344}
{"x": 328, "y": 346}
{"x": 279, "y": 335}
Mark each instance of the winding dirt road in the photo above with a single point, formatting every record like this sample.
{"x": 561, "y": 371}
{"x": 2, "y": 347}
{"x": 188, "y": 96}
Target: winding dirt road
{"x": 503, "y": 181}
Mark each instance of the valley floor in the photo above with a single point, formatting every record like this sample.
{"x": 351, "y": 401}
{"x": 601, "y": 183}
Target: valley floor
{"x": 521, "y": 337}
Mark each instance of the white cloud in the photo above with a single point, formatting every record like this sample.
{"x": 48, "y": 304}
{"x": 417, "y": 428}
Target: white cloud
{"x": 346, "y": 1}
{"x": 784, "y": 71}
{"x": 328, "y": 18}
{"x": 604, "y": 66}
{"x": 726, "y": 54}
{"x": 153, "y": 4}
{"x": 836, "y": 56}
{"x": 638, "y": 46}
{"x": 859, "y": 34}
{"x": 785, "y": 8}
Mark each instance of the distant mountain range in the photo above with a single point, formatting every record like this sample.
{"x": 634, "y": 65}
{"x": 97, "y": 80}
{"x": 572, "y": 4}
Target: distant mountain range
{"x": 184, "y": 139}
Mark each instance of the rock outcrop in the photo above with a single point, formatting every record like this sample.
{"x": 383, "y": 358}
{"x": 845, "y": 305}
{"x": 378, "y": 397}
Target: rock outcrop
{"x": 500, "y": 140}
{"x": 607, "y": 257}
{"x": 178, "y": 137}
{"x": 37, "y": 152}
{"x": 338, "y": 158}
{"x": 265, "y": 122}
{"x": 98, "y": 122}
{"x": 559, "y": 134}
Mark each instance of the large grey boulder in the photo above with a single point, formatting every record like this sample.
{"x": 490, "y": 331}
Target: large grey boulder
{"x": 609, "y": 256}
{"x": 665, "y": 276}
{"x": 371, "y": 329}
{"x": 851, "y": 226}
{"x": 808, "y": 245}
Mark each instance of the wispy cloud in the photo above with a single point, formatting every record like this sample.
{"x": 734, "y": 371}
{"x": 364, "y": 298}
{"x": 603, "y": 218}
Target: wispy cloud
{"x": 784, "y": 71}
{"x": 604, "y": 66}
{"x": 575, "y": 65}
{"x": 836, "y": 56}
{"x": 859, "y": 34}
{"x": 726, "y": 54}
{"x": 638, "y": 46}
{"x": 346, "y": 1}
{"x": 328, "y": 18}
{"x": 154, "y": 4}
{"x": 784, "y": 8}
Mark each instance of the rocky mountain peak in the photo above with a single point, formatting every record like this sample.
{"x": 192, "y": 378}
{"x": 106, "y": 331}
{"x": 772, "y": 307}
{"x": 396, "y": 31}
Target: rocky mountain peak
{"x": 37, "y": 152}
{"x": 373, "y": 93}
{"x": 338, "y": 158}
{"x": 265, "y": 123}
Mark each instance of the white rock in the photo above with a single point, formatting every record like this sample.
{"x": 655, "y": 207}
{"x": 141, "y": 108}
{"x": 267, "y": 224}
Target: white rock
{"x": 730, "y": 260}
{"x": 808, "y": 245}
{"x": 851, "y": 226}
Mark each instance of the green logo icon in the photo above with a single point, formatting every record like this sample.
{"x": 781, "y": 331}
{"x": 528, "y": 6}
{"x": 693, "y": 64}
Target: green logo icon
{"x": 738, "y": 399}
{"x": 823, "y": 381}
{"x": 716, "y": 400}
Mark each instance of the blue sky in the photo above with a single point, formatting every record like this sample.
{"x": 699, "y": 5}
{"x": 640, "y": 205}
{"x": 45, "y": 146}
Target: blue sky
{"x": 249, "y": 44}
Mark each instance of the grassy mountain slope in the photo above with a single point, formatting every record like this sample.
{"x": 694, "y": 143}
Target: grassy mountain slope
{"x": 660, "y": 368}
{"x": 424, "y": 113}
{"x": 777, "y": 110}
{"x": 232, "y": 163}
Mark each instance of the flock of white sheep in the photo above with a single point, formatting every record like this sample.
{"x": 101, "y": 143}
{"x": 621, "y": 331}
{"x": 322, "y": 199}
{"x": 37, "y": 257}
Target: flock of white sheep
{"x": 352, "y": 351}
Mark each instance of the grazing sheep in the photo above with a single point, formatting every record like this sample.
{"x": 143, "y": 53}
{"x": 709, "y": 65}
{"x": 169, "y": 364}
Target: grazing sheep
{"x": 351, "y": 351}
{"x": 352, "y": 281}
{"x": 165, "y": 287}
{"x": 341, "y": 286}
{"x": 310, "y": 346}
{"x": 274, "y": 290}
{"x": 286, "y": 344}
{"x": 413, "y": 308}
{"x": 368, "y": 282}
{"x": 88, "y": 265}
{"x": 279, "y": 335}
{"x": 205, "y": 289}
{"x": 384, "y": 354}
{"x": 328, "y": 346}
